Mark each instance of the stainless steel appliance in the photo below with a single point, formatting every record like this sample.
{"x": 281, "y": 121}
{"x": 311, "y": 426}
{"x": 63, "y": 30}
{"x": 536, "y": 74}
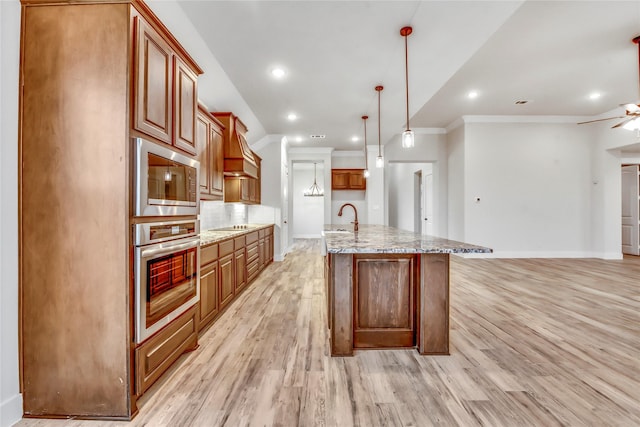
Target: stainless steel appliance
{"x": 166, "y": 182}
{"x": 166, "y": 273}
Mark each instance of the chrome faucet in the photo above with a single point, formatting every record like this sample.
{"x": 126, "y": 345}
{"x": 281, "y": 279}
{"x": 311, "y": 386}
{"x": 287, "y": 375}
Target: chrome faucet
{"x": 355, "y": 223}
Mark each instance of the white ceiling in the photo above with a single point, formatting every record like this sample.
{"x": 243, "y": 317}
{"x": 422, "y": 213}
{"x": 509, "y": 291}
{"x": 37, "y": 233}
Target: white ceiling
{"x": 551, "y": 53}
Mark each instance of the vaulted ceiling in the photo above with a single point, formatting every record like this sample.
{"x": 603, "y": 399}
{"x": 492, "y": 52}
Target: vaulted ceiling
{"x": 552, "y": 54}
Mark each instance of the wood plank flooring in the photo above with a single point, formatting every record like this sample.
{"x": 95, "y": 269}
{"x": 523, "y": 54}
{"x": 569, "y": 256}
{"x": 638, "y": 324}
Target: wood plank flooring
{"x": 533, "y": 343}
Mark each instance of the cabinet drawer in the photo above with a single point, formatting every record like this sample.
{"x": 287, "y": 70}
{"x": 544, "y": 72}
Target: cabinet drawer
{"x": 208, "y": 254}
{"x": 157, "y": 354}
{"x": 252, "y": 237}
{"x": 270, "y": 231}
{"x": 239, "y": 242}
{"x": 226, "y": 248}
{"x": 252, "y": 252}
{"x": 262, "y": 233}
{"x": 253, "y": 268}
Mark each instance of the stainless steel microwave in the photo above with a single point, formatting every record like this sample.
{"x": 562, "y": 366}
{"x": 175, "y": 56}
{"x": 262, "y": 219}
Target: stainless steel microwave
{"x": 166, "y": 182}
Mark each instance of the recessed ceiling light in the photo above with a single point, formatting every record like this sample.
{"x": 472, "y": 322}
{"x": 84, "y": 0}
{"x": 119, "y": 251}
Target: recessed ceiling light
{"x": 278, "y": 73}
{"x": 473, "y": 94}
{"x": 355, "y": 138}
{"x": 595, "y": 95}
{"x": 292, "y": 116}
{"x": 298, "y": 139}
{"x": 521, "y": 102}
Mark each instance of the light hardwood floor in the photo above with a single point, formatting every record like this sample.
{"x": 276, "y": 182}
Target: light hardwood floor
{"x": 533, "y": 343}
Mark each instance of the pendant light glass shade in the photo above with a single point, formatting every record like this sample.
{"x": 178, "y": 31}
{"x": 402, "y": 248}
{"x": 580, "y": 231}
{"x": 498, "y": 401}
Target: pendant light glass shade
{"x": 314, "y": 190}
{"x": 379, "y": 159}
{"x": 408, "y": 138}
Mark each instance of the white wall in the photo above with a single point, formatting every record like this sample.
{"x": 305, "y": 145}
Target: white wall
{"x": 308, "y": 212}
{"x": 375, "y": 195}
{"x": 456, "y": 165}
{"x": 10, "y": 398}
{"x": 273, "y": 180}
{"x": 402, "y": 198}
{"x": 430, "y": 147}
{"x": 534, "y": 184}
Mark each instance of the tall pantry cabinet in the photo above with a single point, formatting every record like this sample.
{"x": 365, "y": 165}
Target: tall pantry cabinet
{"x": 79, "y": 108}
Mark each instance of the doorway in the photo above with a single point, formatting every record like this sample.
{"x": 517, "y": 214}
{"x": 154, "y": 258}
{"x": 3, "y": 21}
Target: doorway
{"x": 630, "y": 192}
{"x": 411, "y": 196}
{"x": 308, "y": 209}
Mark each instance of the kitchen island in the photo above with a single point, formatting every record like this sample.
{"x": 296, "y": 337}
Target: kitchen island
{"x": 388, "y": 288}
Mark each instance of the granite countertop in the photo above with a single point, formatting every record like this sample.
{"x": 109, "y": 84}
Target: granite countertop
{"x": 210, "y": 236}
{"x": 383, "y": 239}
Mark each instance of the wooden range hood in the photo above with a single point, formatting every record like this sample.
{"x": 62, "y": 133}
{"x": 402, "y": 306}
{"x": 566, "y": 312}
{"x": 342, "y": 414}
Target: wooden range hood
{"x": 238, "y": 157}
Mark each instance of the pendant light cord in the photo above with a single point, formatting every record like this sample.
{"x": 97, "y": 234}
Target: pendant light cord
{"x": 406, "y": 74}
{"x": 379, "y": 89}
{"x": 366, "y": 160}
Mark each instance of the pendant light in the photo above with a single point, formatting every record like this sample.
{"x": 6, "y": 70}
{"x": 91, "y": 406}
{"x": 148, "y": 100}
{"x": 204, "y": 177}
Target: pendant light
{"x": 314, "y": 190}
{"x": 366, "y": 158}
{"x": 379, "y": 159}
{"x": 408, "y": 138}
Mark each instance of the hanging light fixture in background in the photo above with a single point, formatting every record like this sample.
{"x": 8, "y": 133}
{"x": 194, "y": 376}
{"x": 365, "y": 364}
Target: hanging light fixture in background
{"x": 366, "y": 158}
{"x": 314, "y": 190}
{"x": 379, "y": 159}
{"x": 408, "y": 138}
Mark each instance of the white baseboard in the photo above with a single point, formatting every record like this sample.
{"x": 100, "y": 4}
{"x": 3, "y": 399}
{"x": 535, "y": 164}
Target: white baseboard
{"x": 11, "y": 411}
{"x": 543, "y": 254}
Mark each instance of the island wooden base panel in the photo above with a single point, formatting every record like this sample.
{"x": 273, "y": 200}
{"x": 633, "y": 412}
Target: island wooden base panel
{"x": 532, "y": 343}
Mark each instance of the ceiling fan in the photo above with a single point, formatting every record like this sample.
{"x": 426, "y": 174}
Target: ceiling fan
{"x": 632, "y": 111}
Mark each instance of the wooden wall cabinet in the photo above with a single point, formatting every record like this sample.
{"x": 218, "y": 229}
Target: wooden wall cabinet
{"x": 78, "y": 110}
{"x": 209, "y": 152}
{"x": 244, "y": 190}
{"x": 166, "y": 90}
{"x": 348, "y": 179}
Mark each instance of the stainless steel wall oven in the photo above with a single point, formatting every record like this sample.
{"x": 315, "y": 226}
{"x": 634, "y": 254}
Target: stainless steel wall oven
{"x": 166, "y": 262}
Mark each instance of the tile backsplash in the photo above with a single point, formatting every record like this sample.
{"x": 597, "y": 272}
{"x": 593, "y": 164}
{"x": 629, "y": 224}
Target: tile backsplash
{"x": 220, "y": 214}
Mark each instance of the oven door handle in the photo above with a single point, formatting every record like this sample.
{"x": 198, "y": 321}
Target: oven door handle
{"x": 164, "y": 248}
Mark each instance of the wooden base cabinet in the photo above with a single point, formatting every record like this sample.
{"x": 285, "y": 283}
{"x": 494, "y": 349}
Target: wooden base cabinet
{"x": 227, "y": 280}
{"x": 388, "y": 300}
{"x": 159, "y": 352}
{"x": 77, "y": 108}
{"x": 209, "y": 284}
{"x": 231, "y": 265}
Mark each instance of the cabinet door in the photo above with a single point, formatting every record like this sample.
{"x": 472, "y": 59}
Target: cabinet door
{"x": 203, "y": 146}
{"x": 262, "y": 254}
{"x": 216, "y": 166}
{"x": 227, "y": 280}
{"x": 186, "y": 98}
{"x": 245, "y": 193}
{"x": 241, "y": 269}
{"x": 339, "y": 180}
{"x": 357, "y": 180}
{"x": 268, "y": 246}
{"x": 208, "y": 293}
{"x": 154, "y": 77}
